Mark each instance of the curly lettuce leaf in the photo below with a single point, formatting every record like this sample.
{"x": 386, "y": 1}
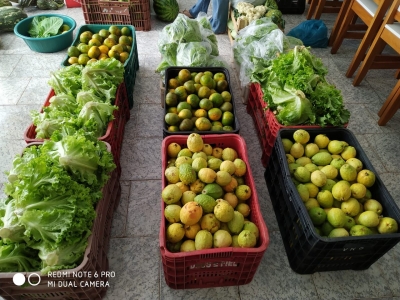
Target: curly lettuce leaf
{"x": 103, "y": 77}
{"x": 18, "y": 257}
{"x": 88, "y": 161}
{"x": 67, "y": 80}
{"x": 95, "y": 116}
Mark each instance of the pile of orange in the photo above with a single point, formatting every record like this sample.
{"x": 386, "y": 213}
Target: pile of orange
{"x": 199, "y": 101}
{"x": 112, "y": 42}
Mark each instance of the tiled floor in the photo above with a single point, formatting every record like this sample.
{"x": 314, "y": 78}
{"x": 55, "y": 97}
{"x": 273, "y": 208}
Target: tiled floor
{"x": 134, "y": 254}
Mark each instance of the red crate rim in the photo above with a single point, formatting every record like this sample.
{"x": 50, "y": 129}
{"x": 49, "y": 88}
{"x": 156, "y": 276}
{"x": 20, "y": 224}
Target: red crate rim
{"x": 264, "y": 236}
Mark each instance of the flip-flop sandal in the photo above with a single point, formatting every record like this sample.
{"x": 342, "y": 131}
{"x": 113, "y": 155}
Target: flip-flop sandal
{"x": 187, "y": 14}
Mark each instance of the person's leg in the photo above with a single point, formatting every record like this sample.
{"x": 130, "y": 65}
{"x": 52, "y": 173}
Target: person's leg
{"x": 219, "y": 19}
{"x": 200, "y": 6}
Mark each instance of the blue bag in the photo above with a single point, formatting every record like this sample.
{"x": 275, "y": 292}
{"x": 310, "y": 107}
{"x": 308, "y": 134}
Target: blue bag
{"x": 313, "y": 33}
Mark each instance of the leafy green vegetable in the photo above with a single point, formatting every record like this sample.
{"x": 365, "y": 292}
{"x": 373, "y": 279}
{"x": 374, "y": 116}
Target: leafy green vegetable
{"x": 88, "y": 161}
{"x": 52, "y": 192}
{"x": 295, "y": 87}
{"x": 18, "y": 257}
{"x": 271, "y": 4}
{"x": 276, "y": 17}
{"x": 95, "y": 116}
{"x": 103, "y": 77}
{"x": 67, "y": 80}
{"x": 43, "y": 26}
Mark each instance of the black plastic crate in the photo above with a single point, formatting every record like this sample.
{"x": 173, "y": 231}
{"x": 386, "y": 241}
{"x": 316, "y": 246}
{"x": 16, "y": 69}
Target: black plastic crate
{"x": 172, "y": 72}
{"x": 291, "y": 6}
{"x": 307, "y": 251}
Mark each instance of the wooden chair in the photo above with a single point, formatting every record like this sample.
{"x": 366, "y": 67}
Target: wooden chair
{"x": 371, "y": 14}
{"x": 317, "y": 7}
{"x": 388, "y": 34}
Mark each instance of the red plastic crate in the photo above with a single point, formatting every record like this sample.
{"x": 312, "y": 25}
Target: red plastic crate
{"x": 214, "y": 267}
{"x": 115, "y": 129}
{"x": 132, "y": 12}
{"x": 73, "y": 3}
{"x": 94, "y": 260}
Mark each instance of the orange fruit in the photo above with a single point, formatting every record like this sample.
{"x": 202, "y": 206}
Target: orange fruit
{"x": 103, "y": 56}
{"x": 227, "y": 118}
{"x": 204, "y": 92}
{"x": 85, "y": 37}
{"x": 109, "y": 42}
{"x": 200, "y": 113}
{"x": 171, "y": 99}
{"x": 123, "y": 39}
{"x": 83, "y": 59}
{"x": 173, "y": 83}
{"x": 123, "y": 57}
{"x": 206, "y": 104}
{"x": 73, "y": 51}
{"x": 207, "y": 81}
{"x": 226, "y": 96}
{"x": 94, "y": 52}
{"x": 104, "y": 49}
{"x": 98, "y": 37}
{"x": 72, "y": 60}
{"x": 83, "y": 48}
{"x": 94, "y": 42}
{"x": 203, "y": 124}
{"x": 113, "y": 53}
{"x": 214, "y": 114}
{"x": 104, "y": 33}
{"x": 193, "y": 100}
{"x": 184, "y": 75}
{"x": 180, "y": 91}
{"x": 222, "y": 85}
{"x": 216, "y": 99}
{"x": 219, "y": 76}
{"x": 118, "y": 48}
{"x": 125, "y": 31}
{"x": 114, "y": 37}
{"x": 114, "y": 30}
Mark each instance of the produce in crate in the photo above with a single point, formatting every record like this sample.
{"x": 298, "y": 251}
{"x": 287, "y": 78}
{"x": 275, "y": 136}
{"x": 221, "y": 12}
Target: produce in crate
{"x": 334, "y": 187}
{"x": 199, "y": 101}
{"x": 52, "y": 191}
{"x": 83, "y": 101}
{"x": 112, "y": 42}
{"x": 203, "y": 211}
{"x": 296, "y": 90}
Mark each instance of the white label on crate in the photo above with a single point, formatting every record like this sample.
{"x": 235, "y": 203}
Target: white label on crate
{"x": 214, "y": 265}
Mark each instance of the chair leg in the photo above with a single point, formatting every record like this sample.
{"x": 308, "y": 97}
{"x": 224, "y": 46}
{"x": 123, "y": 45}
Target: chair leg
{"x": 319, "y": 9}
{"x": 376, "y": 48}
{"x": 343, "y": 29}
{"x": 390, "y": 110}
{"x": 311, "y": 9}
{"x": 339, "y": 21}
{"x": 395, "y": 90}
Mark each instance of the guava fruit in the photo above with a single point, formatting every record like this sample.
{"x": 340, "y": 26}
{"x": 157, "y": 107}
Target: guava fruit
{"x": 338, "y": 232}
{"x": 171, "y": 213}
{"x": 247, "y": 239}
{"x": 209, "y": 222}
{"x": 236, "y": 224}
{"x": 175, "y": 232}
{"x": 221, "y": 239}
{"x": 360, "y": 230}
{"x": 387, "y": 225}
{"x": 194, "y": 142}
{"x": 341, "y": 190}
{"x": 191, "y": 213}
{"x": 203, "y": 240}
{"x": 171, "y": 194}
{"x": 347, "y": 172}
{"x": 223, "y": 211}
{"x": 318, "y": 178}
{"x": 321, "y": 159}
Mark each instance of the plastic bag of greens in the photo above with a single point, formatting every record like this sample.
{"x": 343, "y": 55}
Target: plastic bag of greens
{"x": 207, "y": 33}
{"x": 183, "y": 30}
{"x": 193, "y": 54}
